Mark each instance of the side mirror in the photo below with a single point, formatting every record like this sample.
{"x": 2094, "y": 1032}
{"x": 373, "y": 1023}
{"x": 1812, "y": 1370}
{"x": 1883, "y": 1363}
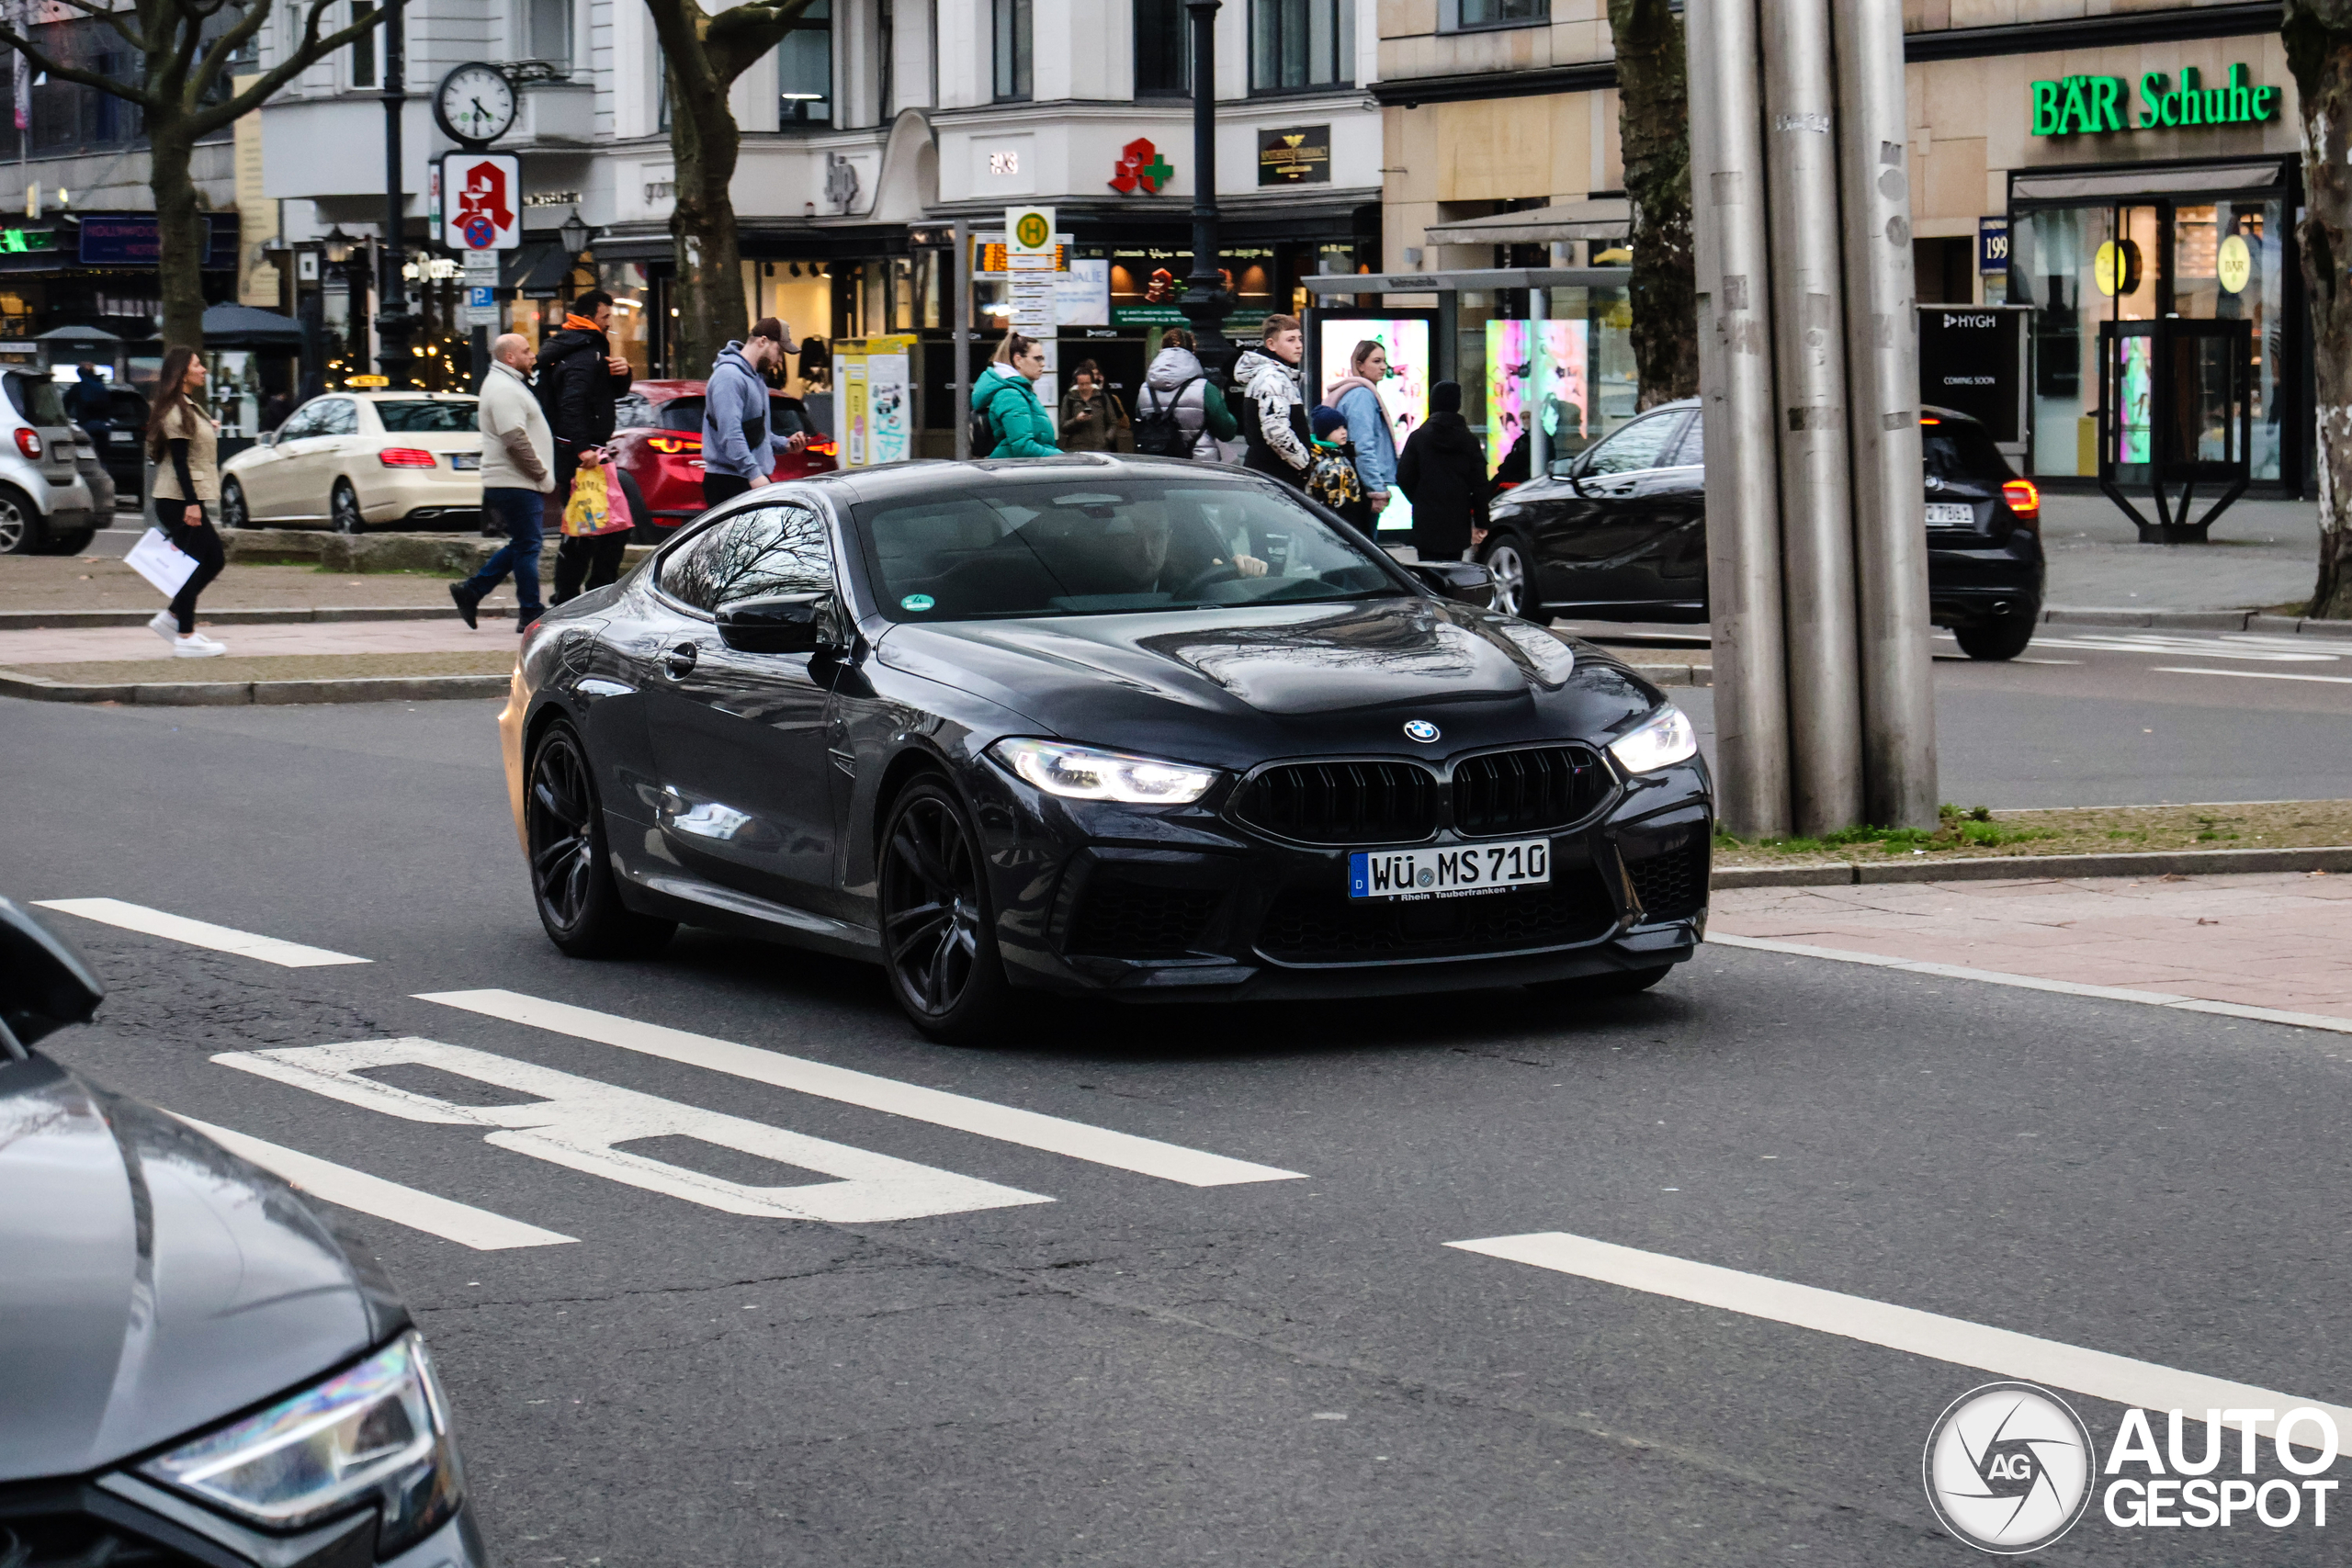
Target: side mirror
{"x": 268, "y": 438}
{"x": 1464, "y": 582}
{"x": 1562, "y": 468}
{"x": 44, "y": 985}
{"x": 783, "y": 623}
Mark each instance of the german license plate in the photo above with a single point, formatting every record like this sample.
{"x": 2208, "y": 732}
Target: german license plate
{"x": 1457, "y": 871}
{"x": 1951, "y": 514}
{"x": 122, "y": 437}
{"x": 461, "y": 461}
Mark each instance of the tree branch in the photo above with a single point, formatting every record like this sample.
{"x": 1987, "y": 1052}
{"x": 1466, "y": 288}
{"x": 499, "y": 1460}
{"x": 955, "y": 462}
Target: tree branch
{"x": 40, "y": 60}
{"x": 681, "y": 36}
{"x": 738, "y": 36}
{"x": 216, "y": 59}
{"x": 309, "y": 53}
{"x": 113, "y": 18}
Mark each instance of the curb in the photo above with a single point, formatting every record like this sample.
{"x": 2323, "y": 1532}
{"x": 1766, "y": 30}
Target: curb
{"x": 2019, "y": 868}
{"x": 2198, "y": 621}
{"x": 267, "y": 693}
{"x": 65, "y": 620}
{"x": 1675, "y": 675}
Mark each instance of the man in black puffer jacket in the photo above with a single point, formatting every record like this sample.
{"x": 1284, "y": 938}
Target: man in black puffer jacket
{"x": 579, "y": 381}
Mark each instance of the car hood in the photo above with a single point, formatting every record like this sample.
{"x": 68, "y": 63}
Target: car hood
{"x": 156, "y": 1283}
{"x": 1237, "y": 685}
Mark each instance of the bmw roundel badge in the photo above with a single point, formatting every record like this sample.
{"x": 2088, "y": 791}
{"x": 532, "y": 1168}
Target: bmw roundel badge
{"x": 1421, "y": 729}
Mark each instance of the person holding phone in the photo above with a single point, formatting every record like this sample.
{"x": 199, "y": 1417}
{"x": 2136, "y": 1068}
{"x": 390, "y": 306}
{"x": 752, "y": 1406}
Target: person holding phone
{"x": 182, "y": 443}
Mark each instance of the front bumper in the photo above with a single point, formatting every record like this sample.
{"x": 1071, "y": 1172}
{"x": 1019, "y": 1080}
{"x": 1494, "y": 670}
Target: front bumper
{"x": 1155, "y": 905}
{"x": 120, "y": 1517}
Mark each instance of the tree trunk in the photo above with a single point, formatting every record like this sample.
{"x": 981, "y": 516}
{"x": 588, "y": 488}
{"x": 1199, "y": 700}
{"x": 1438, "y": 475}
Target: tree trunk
{"x": 1654, "y": 132}
{"x": 179, "y": 233}
{"x": 2319, "y": 51}
{"x": 711, "y": 312}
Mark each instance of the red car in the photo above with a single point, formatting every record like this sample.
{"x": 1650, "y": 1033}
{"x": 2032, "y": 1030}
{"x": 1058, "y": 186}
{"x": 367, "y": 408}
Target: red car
{"x": 657, "y": 430}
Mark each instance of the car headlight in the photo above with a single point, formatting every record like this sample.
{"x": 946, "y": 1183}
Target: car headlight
{"x": 1663, "y": 739}
{"x": 1084, "y": 772}
{"x": 377, "y": 1432}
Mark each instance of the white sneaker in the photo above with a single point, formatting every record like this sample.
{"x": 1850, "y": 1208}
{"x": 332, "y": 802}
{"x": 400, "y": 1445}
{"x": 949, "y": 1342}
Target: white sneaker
{"x": 213, "y": 644}
{"x": 165, "y": 624}
{"x": 193, "y": 647}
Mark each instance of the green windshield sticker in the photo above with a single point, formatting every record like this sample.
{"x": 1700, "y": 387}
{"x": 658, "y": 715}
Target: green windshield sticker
{"x": 918, "y": 602}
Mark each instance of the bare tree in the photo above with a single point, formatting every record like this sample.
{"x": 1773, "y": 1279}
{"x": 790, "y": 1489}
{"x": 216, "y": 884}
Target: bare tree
{"x": 1654, "y": 132}
{"x": 182, "y": 93}
{"x": 704, "y": 55}
{"x": 2318, "y": 34}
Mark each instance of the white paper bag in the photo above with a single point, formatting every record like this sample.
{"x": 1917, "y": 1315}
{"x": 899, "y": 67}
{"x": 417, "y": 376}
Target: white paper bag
{"x": 161, "y": 562}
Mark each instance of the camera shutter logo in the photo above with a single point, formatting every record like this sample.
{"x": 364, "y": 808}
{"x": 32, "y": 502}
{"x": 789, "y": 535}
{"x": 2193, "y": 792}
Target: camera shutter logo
{"x": 2009, "y": 1467}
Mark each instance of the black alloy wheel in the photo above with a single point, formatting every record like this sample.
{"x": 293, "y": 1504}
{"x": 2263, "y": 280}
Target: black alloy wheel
{"x": 1507, "y": 564}
{"x": 938, "y": 940}
{"x": 571, "y": 875}
{"x": 232, "y": 506}
{"x": 344, "y": 506}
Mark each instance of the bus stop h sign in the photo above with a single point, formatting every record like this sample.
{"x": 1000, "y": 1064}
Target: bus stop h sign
{"x": 482, "y": 196}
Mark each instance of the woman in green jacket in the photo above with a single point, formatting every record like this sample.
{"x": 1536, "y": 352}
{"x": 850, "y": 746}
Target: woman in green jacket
{"x": 1007, "y": 399}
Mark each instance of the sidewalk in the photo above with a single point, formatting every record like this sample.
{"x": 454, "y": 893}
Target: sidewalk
{"x": 2262, "y": 553}
{"x": 2266, "y": 940}
{"x": 82, "y": 582}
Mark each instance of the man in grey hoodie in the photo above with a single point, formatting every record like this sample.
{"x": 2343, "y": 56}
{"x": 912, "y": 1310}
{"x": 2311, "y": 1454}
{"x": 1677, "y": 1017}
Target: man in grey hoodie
{"x": 739, "y": 446}
{"x": 1176, "y": 387}
{"x": 1272, "y": 414}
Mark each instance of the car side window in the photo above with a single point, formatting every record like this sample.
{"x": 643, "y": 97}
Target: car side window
{"x": 1692, "y": 452}
{"x": 302, "y": 421}
{"x": 631, "y": 412}
{"x": 769, "y": 549}
{"x": 338, "y": 416}
{"x": 1641, "y": 444}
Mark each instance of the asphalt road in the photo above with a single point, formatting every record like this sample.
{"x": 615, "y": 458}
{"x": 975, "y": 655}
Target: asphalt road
{"x": 1116, "y": 1366}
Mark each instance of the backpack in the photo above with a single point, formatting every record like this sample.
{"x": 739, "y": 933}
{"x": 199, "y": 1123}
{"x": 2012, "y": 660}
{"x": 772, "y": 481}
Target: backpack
{"x": 1159, "y": 432}
{"x": 544, "y": 384}
{"x": 983, "y": 434}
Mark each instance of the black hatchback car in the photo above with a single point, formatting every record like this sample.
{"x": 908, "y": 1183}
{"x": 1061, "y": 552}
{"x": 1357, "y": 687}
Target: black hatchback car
{"x": 1152, "y": 730}
{"x": 1620, "y": 534}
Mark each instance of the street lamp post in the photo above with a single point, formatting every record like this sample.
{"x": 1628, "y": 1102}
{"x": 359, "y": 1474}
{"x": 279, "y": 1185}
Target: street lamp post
{"x": 1205, "y": 302}
{"x": 392, "y": 319}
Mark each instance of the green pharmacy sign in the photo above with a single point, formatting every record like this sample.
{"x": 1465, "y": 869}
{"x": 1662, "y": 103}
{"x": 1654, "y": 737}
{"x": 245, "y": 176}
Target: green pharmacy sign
{"x": 2094, "y": 104}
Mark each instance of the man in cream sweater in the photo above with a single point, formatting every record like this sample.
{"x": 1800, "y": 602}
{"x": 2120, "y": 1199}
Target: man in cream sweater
{"x": 517, "y": 471}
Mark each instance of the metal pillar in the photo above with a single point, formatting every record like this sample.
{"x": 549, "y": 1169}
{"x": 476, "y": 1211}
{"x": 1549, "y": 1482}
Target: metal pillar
{"x": 1816, "y": 497}
{"x": 392, "y": 320}
{"x": 1734, "y": 282}
{"x": 1882, "y": 364}
{"x": 963, "y": 318}
{"x": 1205, "y": 303}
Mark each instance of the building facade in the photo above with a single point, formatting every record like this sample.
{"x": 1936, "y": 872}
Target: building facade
{"x": 875, "y": 124}
{"x": 2095, "y": 160}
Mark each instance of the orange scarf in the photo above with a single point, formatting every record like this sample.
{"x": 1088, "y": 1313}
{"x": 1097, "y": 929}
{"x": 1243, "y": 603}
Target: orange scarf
{"x": 581, "y": 323}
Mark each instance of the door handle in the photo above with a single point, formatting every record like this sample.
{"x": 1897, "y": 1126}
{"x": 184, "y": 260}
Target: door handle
{"x": 679, "y": 662}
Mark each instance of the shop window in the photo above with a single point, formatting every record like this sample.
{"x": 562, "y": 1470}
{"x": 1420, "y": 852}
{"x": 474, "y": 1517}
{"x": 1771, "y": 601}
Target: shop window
{"x": 1453, "y": 16}
{"x": 1301, "y": 45}
{"x": 804, "y": 69}
{"x": 1945, "y": 270}
{"x": 548, "y": 31}
{"x": 362, "y": 48}
{"x": 1163, "y": 50}
{"x": 1013, "y": 32}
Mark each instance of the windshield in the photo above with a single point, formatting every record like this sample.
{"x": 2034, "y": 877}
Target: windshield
{"x": 1086, "y": 547}
{"x": 441, "y": 417}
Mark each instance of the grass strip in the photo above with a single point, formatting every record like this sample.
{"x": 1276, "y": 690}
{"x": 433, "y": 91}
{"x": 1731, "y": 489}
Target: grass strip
{"x": 1978, "y": 832}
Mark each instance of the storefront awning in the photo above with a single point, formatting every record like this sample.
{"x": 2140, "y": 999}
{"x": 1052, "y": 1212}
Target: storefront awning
{"x": 1610, "y": 218}
{"x": 2093, "y": 186}
{"x": 246, "y": 326}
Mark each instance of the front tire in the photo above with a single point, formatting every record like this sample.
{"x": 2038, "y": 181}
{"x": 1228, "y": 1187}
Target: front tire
{"x": 71, "y": 544}
{"x": 1506, "y": 562}
{"x": 571, "y": 869}
{"x": 938, "y": 932}
{"x": 344, "y": 507}
{"x": 233, "y": 513}
{"x": 2002, "y": 640}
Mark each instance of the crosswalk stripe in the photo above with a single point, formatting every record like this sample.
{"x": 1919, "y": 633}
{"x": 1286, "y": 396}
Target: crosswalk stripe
{"x": 197, "y": 934}
{"x": 1031, "y": 1129}
{"x": 339, "y": 1184}
{"x": 2253, "y": 674}
{"x": 2117, "y": 1379}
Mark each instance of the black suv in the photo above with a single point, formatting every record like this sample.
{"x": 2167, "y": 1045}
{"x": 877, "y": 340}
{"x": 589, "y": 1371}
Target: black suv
{"x": 1618, "y": 533}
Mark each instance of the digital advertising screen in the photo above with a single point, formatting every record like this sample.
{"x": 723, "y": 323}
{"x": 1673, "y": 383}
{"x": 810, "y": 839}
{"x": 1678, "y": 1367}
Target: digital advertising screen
{"x": 1566, "y": 398}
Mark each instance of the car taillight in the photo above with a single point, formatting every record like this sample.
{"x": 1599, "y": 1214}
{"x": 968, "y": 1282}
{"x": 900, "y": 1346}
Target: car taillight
{"x": 29, "y": 442}
{"x": 824, "y": 448}
{"x": 2024, "y": 500}
{"x": 674, "y": 443}
{"x": 407, "y": 457}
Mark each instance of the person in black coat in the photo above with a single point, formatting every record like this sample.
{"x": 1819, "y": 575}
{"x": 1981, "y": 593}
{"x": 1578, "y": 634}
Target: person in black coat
{"x": 1442, "y": 471}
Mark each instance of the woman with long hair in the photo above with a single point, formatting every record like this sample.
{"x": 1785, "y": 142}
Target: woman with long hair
{"x": 181, "y": 443}
{"x": 1006, "y": 401}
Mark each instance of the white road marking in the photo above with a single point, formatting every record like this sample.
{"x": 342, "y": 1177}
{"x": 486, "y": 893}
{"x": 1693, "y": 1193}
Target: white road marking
{"x": 2253, "y": 674}
{"x": 2204, "y": 646}
{"x": 2036, "y": 983}
{"x": 2117, "y": 1379}
{"x": 1030, "y": 1129}
{"x": 332, "y": 1183}
{"x": 574, "y": 1122}
{"x": 2045, "y": 661}
{"x": 197, "y": 934}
